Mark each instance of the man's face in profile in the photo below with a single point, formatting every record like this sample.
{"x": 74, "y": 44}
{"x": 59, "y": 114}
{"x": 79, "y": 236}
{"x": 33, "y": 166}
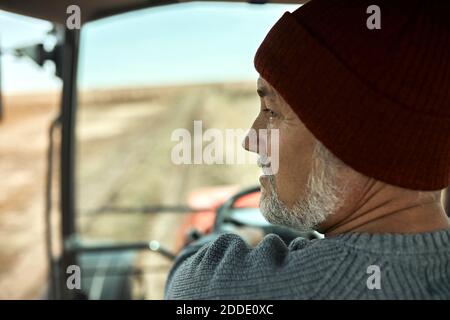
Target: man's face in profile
{"x": 304, "y": 190}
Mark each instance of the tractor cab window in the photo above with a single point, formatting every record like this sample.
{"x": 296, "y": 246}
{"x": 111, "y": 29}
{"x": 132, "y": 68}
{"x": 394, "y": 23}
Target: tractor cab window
{"x": 164, "y": 96}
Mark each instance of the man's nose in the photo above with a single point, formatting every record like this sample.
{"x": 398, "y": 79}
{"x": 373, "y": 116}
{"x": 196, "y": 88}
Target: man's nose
{"x": 252, "y": 141}
{"x": 247, "y": 145}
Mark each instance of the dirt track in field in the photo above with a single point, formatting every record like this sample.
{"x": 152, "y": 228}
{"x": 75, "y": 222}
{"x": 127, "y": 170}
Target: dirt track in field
{"x": 23, "y": 141}
{"x": 123, "y": 157}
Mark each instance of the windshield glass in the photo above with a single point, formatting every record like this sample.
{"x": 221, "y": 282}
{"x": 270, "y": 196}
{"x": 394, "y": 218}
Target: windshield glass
{"x": 151, "y": 83}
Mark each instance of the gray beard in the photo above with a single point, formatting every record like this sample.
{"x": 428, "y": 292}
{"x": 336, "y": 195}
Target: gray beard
{"x": 322, "y": 197}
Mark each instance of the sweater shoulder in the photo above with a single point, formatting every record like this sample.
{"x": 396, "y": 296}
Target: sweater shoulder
{"x": 228, "y": 268}
{"x": 344, "y": 267}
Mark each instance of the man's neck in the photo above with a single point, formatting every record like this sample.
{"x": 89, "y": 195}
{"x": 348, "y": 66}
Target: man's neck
{"x": 387, "y": 209}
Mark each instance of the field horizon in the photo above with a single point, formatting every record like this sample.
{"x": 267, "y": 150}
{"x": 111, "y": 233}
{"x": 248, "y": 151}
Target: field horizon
{"x": 112, "y": 123}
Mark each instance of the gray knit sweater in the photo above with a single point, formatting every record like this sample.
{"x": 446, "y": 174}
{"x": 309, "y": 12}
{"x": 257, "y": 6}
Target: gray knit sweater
{"x": 348, "y": 266}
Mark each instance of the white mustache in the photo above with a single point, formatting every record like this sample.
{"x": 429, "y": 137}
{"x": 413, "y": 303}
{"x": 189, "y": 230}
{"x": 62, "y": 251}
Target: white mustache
{"x": 265, "y": 165}
{"x": 263, "y": 162}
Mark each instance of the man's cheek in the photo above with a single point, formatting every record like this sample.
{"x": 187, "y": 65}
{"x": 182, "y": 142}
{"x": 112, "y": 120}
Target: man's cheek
{"x": 281, "y": 185}
{"x": 291, "y": 181}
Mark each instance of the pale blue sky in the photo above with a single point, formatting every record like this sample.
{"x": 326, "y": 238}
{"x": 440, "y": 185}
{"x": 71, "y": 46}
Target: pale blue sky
{"x": 176, "y": 44}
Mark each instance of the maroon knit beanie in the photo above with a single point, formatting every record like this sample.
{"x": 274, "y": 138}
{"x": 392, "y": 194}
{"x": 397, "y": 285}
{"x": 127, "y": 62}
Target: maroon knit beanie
{"x": 378, "y": 99}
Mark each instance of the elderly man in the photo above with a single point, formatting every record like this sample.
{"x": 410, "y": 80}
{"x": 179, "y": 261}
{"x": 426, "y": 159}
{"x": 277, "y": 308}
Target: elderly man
{"x": 363, "y": 117}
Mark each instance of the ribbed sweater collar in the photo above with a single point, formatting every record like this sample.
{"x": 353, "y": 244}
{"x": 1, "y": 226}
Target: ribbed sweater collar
{"x": 427, "y": 242}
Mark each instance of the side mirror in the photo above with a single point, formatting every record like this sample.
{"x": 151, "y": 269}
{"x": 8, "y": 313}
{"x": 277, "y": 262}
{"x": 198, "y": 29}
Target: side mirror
{"x": 39, "y": 55}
